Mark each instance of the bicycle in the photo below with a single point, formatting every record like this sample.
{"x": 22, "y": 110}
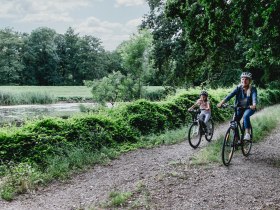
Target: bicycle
{"x": 234, "y": 138}
{"x": 198, "y": 129}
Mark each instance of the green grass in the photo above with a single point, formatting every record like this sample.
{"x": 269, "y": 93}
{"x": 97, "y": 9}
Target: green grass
{"x": 8, "y": 98}
{"x": 56, "y": 91}
{"x": 72, "y": 160}
{"x": 138, "y": 198}
{"x": 118, "y": 198}
{"x": 24, "y": 177}
{"x": 13, "y": 95}
{"x": 78, "y": 159}
{"x": 75, "y": 160}
{"x": 262, "y": 124}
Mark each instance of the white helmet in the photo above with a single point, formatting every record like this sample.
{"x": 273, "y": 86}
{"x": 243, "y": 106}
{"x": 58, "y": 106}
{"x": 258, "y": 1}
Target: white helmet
{"x": 246, "y": 74}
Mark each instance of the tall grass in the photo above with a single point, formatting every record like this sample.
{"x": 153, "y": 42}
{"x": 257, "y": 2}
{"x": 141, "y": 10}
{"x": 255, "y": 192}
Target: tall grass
{"x": 24, "y": 177}
{"x": 56, "y": 91}
{"x": 8, "y": 98}
{"x": 71, "y": 160}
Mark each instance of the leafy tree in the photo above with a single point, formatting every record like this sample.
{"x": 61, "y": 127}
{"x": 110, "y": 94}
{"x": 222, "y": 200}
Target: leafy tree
{"x": 137, "y": 59}
{"x": 112, "y": 88}
{"x": 225, "y": 37}
{"x": 90, "y": 58}
{"x": 40, "y": 58}
{"x": 11, "y": 44}
{"x": 169, "y": 52}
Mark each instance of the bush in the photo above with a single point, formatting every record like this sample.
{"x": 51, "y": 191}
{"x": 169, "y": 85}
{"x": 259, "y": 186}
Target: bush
{"x": 36, "y": 140}
{"x": 146, "y": 116}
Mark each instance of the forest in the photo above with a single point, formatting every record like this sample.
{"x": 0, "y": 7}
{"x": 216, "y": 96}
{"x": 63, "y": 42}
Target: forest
{"x": 179, "y": 43}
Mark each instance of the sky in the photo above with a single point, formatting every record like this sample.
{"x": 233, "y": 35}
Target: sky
{"x": 112, "y": 21}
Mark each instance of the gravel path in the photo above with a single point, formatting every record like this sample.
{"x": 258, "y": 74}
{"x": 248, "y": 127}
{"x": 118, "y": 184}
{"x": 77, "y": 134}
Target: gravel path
{"x": 162, "y": 178}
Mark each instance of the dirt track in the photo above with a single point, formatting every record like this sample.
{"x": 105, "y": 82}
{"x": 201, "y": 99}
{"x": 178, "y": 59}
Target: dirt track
{"x": 162, "y": 178}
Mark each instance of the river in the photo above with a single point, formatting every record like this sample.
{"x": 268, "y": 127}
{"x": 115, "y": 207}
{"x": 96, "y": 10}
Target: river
{"x": 19, "y": 113}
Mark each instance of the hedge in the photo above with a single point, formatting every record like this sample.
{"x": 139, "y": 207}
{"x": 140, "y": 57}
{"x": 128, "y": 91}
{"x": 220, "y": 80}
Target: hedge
{"x": 36, "y": 140}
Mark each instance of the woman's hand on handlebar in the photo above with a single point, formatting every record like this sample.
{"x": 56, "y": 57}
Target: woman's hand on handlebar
{"x": 219, "y": 105}
{"x": 253, "y": 107}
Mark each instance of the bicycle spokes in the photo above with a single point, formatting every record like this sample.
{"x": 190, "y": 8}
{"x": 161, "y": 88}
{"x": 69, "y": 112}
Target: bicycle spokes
{"x": 194, "y": 135}
{"x": 228, "y": 147}
{"x": 246, "y": 147}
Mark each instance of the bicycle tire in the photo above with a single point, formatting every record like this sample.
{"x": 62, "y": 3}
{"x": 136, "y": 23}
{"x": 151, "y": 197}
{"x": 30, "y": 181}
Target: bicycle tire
{"x": 211, "y": 126}
{"x": 194, "y": 135}
{"x": 247, "y": 145}
{"x": 228, "y": 146}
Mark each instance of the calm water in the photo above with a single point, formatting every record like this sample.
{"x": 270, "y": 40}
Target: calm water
{"x": 19, "y": 113}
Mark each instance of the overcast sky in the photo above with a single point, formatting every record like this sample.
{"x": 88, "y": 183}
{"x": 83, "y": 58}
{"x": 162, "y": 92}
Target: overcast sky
{"x": 112, "y": 21}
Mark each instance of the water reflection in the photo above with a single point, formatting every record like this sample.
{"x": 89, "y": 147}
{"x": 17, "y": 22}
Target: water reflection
{"x": 19, "y": 113}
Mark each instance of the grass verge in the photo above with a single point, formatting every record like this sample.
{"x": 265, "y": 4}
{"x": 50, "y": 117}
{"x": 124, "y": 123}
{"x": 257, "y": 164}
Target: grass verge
{"x": 25, "y": 177}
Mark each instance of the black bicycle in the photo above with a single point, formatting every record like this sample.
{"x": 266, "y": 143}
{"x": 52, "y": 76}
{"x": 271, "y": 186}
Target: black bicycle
{"x": 235, "y": 137}
{"x": 198, "y": 129}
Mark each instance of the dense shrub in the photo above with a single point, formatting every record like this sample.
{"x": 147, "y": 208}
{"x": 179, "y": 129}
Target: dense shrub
{"x": 145, "y": 116}
{"x": 155, "y": 95}
{"x": 36, "y": 140}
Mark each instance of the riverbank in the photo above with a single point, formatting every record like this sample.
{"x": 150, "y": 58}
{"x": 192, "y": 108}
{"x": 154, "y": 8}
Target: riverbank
{"x": 164, "y": 178}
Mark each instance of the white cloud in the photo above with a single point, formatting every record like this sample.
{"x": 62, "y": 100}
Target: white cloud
{"x": 40, "y": 10}
{"x": 110, "y": 33}
{"x": 128, "y": 3}
{"x": 9, "y": 9}
{"x": 45, "y": 17}
{"x": 60, "y": 14}
{"x": 93, "y": 25}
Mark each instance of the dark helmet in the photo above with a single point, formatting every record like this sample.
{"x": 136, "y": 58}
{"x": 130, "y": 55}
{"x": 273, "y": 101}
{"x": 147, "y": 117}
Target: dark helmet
{"x": 246, "y": 74}
{"x": 204, "y": 93}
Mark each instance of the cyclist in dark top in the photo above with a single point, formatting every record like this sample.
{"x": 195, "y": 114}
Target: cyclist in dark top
{"x": 245, "y": 96}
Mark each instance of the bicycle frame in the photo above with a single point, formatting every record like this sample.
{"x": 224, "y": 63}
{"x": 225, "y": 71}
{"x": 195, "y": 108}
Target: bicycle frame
{"x": 198, "y": 128}
{"x": 234, "y": 138}
{"x": 195, "y": 119}
{"x": 236, "y": 125}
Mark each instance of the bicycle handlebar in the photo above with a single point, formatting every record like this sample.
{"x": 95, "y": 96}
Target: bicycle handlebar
{"x": 194, "y": 110}
{"x": 234, "y": 107}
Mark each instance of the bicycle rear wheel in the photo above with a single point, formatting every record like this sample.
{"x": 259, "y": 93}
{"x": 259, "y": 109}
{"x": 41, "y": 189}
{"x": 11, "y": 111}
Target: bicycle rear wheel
{"x": 194, "y": 135}
{"x": 228, "y": 146}
{"x": 209, "y": 134}
{"x": 247, "y": 145}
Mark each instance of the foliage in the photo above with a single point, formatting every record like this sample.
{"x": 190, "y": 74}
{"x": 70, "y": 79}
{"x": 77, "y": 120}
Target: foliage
{"x": 112, "y": 88}
{"x": 7, "y": 98}
{"x": 56, "y": 146}
{"x": 47, "y": 58}
{"x": 14, "y": 95}
{"x": 159, "y": 93}
{"x": 20, "y": 178}
{"x": 213, "y": 41}
{"x": 119, "y": 198}
{"x": 136, "y": 59}
{"x": 11, "y": 45}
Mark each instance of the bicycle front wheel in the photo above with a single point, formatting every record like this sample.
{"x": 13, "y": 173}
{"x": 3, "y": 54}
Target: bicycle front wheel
{"x": 194, "y": 135}
{"x": 209, "y": 134}
{"x": 228, "y": 146}
{"x": 247, "y": 145}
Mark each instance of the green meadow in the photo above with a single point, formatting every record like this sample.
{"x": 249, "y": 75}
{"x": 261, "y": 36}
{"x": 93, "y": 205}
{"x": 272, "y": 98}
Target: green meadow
{"x": 55, "y": 91}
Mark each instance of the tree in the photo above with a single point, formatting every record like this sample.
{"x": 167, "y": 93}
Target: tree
{"x": 169, "y": 52}
{"x": 112, "y": 88}
{"x": 40, "y": 58}
{"x": 137, "y": 59}
{"x": 226, "y": 37}
{"x": 90, "y": 58}
{"x": 11, "y": 44}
